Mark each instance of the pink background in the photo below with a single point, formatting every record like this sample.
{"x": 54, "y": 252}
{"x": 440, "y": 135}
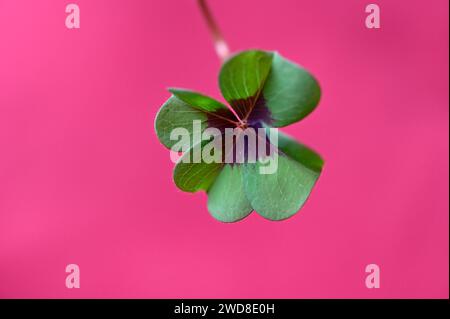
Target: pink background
{"x": 83, "y": 178}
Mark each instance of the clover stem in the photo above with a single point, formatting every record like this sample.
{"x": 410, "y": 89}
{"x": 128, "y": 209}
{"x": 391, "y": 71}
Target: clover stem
{"x": 220, "y": 44}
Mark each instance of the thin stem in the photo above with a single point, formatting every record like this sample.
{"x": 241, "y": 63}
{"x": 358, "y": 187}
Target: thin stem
{"x": 220, "y": 44}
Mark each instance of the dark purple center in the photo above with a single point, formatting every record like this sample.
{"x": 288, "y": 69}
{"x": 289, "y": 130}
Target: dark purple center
{"x": 254, "y": 114}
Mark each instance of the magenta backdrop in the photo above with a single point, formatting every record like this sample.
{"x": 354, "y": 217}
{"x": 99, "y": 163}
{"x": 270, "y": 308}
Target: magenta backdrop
{"x": 83, "y": 178}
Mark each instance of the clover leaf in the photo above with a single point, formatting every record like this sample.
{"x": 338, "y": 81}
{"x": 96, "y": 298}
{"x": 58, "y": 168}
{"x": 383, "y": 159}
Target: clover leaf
{"x": 263, "y": 90}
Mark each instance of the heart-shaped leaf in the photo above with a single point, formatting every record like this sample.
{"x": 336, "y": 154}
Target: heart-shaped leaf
{"x": 242, "y": 79}
{"x": 227, "y": 200}
{"x": 280, "y": 195}
{"x": 290, "y": 92}
{"x": 182, "y": 109}
{"x": 192, "y": 173}
{"x": 263, "y": 80}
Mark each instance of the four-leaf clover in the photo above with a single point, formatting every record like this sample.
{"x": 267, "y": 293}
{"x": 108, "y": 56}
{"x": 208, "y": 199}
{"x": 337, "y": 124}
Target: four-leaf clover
{"x": 264, "y": 90}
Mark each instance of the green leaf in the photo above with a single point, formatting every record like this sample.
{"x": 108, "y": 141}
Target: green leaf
{"x": 182, "y": 109}
{"x": 299, "y": 152}
{"x": 287, "y": 90}
{"x": 197, "y": 100}
{"x": 290, "y": 92}
{"x": 191, "y": 176}
{"x": 242, "y": 79}
{"x": 280, "y": 195}
{"x": 177, "y": 114}
{"x": 226, "y": 198}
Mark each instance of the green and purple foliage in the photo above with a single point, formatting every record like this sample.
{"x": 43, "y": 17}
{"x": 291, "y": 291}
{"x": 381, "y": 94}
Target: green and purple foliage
{"x": 264, "y": 90}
